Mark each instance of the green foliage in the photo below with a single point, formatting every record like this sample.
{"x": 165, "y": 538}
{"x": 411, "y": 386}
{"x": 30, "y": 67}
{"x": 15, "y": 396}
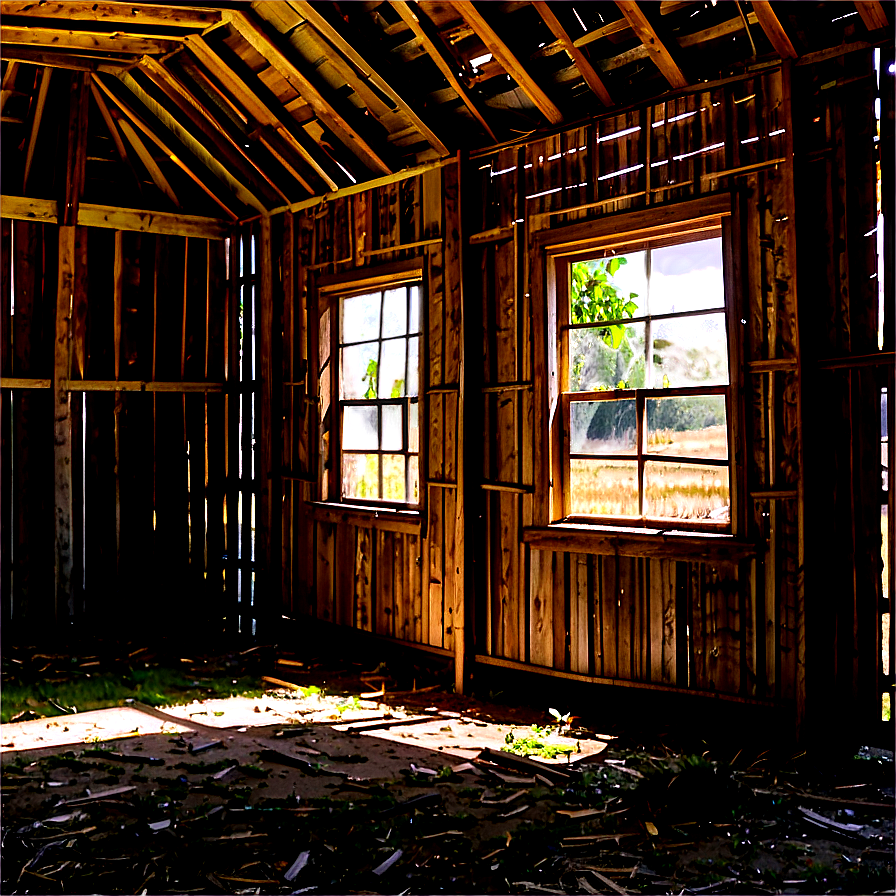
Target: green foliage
{"x": 397, "y": 386}
{"x": 370, "y": 378}
{"x": 596, "y": 298}
{"x": 535, "y": 744}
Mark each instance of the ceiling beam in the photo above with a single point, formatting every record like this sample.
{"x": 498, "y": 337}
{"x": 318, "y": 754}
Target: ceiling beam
{"x": 129, "y": 13}
{"x": 426, "y": 33}
{"x": 873, "y": 14}
{"x": 258, "y": 110}
{"x": 332, "y": 33}
{"x": 249, "y": 29}
{"x": 773, "y": 29}
{"x": 471, "y": 15}
{"x": 202, "y": 120}
{"x": 74, "y": 61}
{"x": 133, "y": 120}
{"x": 613, "y": 28}
{"x": 657, "y": 50}
{"x": 61, "y": 39}
{"x": 592, "y": 79}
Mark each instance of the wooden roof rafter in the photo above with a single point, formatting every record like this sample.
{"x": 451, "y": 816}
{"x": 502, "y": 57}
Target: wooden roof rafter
{"x": 419, "y": 23}
{"x": 499, "y": 49}
{"x": 873, "y": 14}
{"x": 254, "y": 34}
{"x": 156, "y": 15}
{"x": 774, "y": 30}
{"x": 648, "y": 36}
{"x": 343, "y": 43}
{"x": 279, "y": 136}
{"x": 133, "y": 120}
{"x": 592, "y": 79}
{"x": 93, "y": 41}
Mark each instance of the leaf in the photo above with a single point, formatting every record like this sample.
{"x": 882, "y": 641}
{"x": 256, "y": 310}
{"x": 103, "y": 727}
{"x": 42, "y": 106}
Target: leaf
{"x": 397, "y": 386}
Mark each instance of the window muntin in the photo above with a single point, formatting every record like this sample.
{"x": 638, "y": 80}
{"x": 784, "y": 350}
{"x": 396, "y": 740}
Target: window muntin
{"x": 378, "y": 350}
{"x": 645, "y": 390}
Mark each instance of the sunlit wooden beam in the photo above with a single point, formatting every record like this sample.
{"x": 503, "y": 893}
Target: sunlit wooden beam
{"x": 426, "y": 33}
{"x": 112, "y": 127}
{"x": 249, "y": 29}
{"x": 75, "y": 61}
{"x": 61, "y": 39}
{"x": 9, "y": 82}
{"x": 605, "y": 31}
{"x": 312, "y": 14}
{"x": 474, "y": 18}
{"x": 35, "y": 123}
{"x": 592, "y": 79}
{"x": 773, "y": 29}
{"x": 258, "y": 110}
{"x": 873, "y": 14}
{"x": 129, "y": 13}
{"x": 657, "y": 50}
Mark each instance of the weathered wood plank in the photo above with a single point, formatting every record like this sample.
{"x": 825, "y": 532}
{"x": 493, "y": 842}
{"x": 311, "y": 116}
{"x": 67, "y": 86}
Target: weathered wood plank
{"x": 363, "y": 576}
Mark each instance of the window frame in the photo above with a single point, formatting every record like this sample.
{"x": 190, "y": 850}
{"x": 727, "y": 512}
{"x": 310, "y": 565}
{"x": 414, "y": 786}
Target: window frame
{"x": 628, "y": 232}
{"x": 330, "y": 291}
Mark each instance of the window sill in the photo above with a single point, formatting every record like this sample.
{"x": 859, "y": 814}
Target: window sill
{"x": 664, "y": 544}
{"x": 408, "y": 522}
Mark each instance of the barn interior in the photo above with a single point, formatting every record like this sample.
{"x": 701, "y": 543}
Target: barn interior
{"x": 546, "y": 344}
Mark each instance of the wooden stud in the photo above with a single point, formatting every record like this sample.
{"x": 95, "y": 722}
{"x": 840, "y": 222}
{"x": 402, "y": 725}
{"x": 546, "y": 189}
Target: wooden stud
{"x": 76, "y": 157}
{"x": 646, "y": 33}
{"x": 429, "y": 39}
{"x": 773, "y": 29}
{"x": 592, "y": 79}
{"x": 268, "y": 48}
{"x": 473, "y": 17}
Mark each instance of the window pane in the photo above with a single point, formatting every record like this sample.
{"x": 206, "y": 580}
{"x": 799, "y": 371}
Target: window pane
{"x": 413, "y": 365}
{"x": 413, "y": 427}
{"x": 323, "y": 343}
{"x": 603, "y": 427}
{"x": 392, "y": 373}
{"x": 600, "y": 289}
{"x": 415, "y": 310}
{"x": 395, "y": 312}
{"x": 413, "y": 480}
{"x": 686, "y": 491}
{"x": 687, "y": 277}
{"x": 393, "y": 477}
{"x": 690, "y": 351}
{"x": 392, "y": 428}
{"x": 360, "y": 475}
{"x": 359, "y": 370}
{"x": 694, "y": 426}
{"x": 604, "y": 487}
{"x": 359, "y": 428}
{"x": 603, "y": 357}
{"x": 361, "y": 317}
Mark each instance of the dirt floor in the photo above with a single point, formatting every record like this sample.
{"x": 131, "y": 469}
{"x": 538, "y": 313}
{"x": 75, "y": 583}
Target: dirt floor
{"x": 363, "y": 778}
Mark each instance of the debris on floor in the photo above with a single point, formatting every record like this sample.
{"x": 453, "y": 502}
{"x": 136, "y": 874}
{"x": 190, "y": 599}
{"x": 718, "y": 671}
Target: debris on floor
{"x": 326, "y": 788}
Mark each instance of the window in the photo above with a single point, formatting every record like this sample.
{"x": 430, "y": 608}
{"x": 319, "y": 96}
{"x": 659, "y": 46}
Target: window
{"x": 644, "y": 374}
{"x": 370, "y": 449}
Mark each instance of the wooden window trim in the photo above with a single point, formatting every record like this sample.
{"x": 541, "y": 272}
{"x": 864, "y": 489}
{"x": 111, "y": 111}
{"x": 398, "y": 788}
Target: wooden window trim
{"x": 329, "y": 290}
{"x": 551, "y": 250}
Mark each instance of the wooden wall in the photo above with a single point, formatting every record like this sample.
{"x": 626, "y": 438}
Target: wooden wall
{"x": 142, "y": 368}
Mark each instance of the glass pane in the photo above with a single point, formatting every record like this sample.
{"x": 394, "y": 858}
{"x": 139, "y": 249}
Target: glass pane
{"x": 359, "y": 370}
{"x": 413, "y": 365}
{"x": 413, "y": 428}
{"x": 611, "y": 288}
{"x": 693, "y": 426}
{"x": 690, "y": 351}
{"x": 686, "y": 491}
{"x": 392, "y": 428}
{"x": 604, "y": 357}
{"x": 359, "y": 428}
{"x": 323, "y": 344}
{"x": 413, "y": 480}
{"x": 360, "y": 475}
{"x": 361, "y": 317}
{"x": 687, "y": 277}
{"x": 603, "y": 427}
{"x": 392, "y": 372}
{"x": 395, "y": 312}
{"x": 393, "y": 477}
{"x": 604, "y": 487}
{"x": 415, "y": 310}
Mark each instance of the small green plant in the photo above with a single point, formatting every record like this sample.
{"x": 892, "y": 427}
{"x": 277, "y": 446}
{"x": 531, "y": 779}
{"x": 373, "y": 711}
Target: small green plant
{"x": 370, "y": 377}
{"x": 535, "y": 744}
